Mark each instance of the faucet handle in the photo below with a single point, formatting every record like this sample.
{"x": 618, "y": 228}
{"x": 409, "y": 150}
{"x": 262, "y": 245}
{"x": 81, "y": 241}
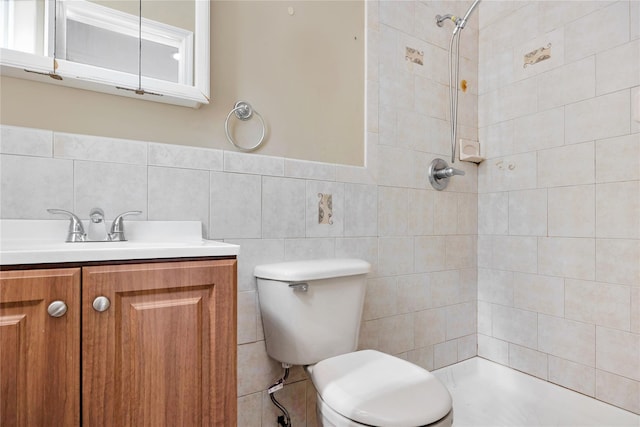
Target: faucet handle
{"x": 117, "y": 227}
{"x": 76, "y": 229}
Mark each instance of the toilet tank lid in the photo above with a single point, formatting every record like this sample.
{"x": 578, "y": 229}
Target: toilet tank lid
{"x": 297, "y": 271}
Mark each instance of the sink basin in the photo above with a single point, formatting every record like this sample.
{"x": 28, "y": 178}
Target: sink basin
{"x": 43, "y": 241}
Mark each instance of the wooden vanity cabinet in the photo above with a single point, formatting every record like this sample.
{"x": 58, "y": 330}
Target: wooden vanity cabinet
{"x": 161, "y": 352}
{"x": 39, "y": 353}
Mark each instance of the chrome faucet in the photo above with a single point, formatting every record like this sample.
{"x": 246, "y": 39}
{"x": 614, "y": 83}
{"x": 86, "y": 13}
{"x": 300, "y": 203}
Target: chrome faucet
{"x": 116, "y": 234}
{"x": 97, "y": 226}
{"x": 76, "y": 229}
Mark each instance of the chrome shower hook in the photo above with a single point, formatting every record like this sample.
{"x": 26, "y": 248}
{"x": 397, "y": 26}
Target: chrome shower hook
{"x": 243, "y": 111}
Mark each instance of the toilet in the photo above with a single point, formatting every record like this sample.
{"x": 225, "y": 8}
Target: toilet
{"x": 311, "y": 313}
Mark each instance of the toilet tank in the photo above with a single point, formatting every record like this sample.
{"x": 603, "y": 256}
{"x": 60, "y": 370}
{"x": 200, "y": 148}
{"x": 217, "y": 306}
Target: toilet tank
{"x": 311, "y": 310}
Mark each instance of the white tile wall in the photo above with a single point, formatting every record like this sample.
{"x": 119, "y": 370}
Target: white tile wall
{"x": 283, "y": 207}
{"x": 31, "y": 185}
{"x": 178, "y": 194}
{"x": 584, "y": 205}
{"x": 361, "y": 215}
{"x": 618, "y": 352}
{"x": 393, "y": 208}
{"x": 493, "y": 349}
{"x": 618, "y": 210}
{"x": 99, "y": 149}
{"x": 26, "y": 142}
{"x": 530, "y": 361}
{"x": 528, "y": 212}
{"x": 617, "y": 261}
{"x": 596, "y": 118}
{"x": 571, "y": 211}
{"x": 617, "y": 390}
{"x": 495, "y": 286}
{"x": 570, "y": 83}
{"x": 236, "y": 205}
{"x": 114, "y": 187}
{"x": 539, "y": 131}
{"x": 588, "y": 35}
{"x": 537, "y": 293}
{"x": 185, "y": 157}
{"x": 610, "y": 77}
{"x": 572, "y": 375}
{"x": 515, "y": 326}
{"x": 567, "y": 257}
{"x": 515, "y": 253}
{"x": 598, "y": 303}
{"x": 421, "y": 214}
{"x": 553, "y": 339}
{"x": 570, "y": 165}
{"x": 618, "y": 159}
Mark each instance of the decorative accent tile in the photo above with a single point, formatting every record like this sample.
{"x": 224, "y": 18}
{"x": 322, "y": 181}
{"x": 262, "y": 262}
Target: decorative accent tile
{"x": 325, "y": 209}
{"x": 414, "y": 56}
{"x": 332, "y": 206}
{"x": 535, "y": 56}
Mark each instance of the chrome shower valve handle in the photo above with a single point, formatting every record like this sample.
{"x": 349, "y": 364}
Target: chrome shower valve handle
{"x": 439, "y": 173}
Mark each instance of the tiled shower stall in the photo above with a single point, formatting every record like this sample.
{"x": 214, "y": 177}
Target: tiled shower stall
{"x": 531, "y": 259}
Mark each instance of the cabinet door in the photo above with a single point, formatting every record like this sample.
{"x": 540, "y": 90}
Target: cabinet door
{"x": 39, "y": 353}
{"x": 164, "y": 352}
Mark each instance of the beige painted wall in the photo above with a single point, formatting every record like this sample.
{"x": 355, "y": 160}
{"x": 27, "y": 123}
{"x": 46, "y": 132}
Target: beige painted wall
{"x": 303, "y": 72}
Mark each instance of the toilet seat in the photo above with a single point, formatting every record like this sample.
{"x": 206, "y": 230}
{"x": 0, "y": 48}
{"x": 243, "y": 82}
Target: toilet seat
{"x": 375, "y": 389}
{"x": 327, "y": 417}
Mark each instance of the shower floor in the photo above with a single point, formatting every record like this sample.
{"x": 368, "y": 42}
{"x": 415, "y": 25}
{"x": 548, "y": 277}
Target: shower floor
{"x": 488, "y": 394}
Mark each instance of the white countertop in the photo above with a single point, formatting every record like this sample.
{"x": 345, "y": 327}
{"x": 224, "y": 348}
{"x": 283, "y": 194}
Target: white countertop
{"x": 43, "y": 241}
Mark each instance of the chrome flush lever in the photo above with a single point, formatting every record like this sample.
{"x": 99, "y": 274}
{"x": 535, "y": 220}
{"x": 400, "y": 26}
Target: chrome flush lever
{"x": 299, "y": 287}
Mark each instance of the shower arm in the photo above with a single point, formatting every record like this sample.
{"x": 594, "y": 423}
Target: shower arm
{"x": 441, "y": 18}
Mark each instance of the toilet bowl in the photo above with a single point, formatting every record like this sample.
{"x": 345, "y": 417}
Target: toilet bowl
{"x": 311, "y": 313}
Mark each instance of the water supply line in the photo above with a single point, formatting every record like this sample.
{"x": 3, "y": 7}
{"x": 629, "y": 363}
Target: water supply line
{"x": 284, "y": 420}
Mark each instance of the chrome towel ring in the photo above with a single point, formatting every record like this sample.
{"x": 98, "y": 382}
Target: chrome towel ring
{"x": 244, "y": 112}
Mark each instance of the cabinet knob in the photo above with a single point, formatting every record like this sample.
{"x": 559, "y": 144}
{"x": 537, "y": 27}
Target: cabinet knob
{"x": 101, "y": 304}
{"x": 57, "y": 309}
